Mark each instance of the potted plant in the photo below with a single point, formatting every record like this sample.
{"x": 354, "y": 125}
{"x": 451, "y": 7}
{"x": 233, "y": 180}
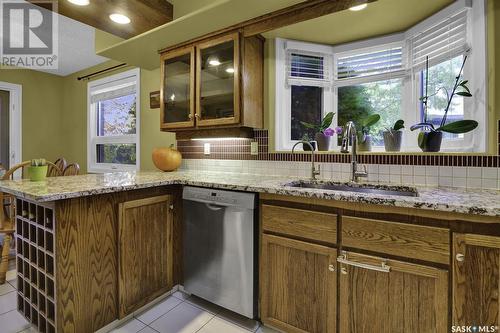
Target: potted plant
{"x": 38, "y": 169}
{"x": 394, "y": 136}
{"x": 323, "y": 132}
{"x": 364, "y": 136}
{"x": 307, "y": 138}
{"x": 430, "y": 138}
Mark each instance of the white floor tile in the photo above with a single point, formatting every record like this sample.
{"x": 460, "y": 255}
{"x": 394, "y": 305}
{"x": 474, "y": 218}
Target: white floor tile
{"x": 133, "y": 326}
{"x": 218, "y": 325}
{"x": 11, "y": 275}
{"x": 181, "y": 295}
{"x": 158, "y": 310}
{"x": 239, "y": 320}
{"x": 30, "y": 330}
{"x": 184, "y": 318}
{"x": 6, "y": 288}
{"x": 13, "y": 283}
{"x": 147, "y": 330}
{"x": 12, "y": 322}
{"x": 264, "y": 329}
{"x": 8, "y": 302}
{"x": 204, "y": 305}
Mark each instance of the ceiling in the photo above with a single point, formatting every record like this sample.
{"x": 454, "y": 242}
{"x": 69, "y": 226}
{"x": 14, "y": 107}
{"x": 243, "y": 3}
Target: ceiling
{"x": 379, "y": 18}
{"x": 144, "y": 14}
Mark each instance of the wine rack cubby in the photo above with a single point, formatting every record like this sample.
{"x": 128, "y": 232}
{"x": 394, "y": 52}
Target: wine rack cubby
{"x": 35, "y": 260}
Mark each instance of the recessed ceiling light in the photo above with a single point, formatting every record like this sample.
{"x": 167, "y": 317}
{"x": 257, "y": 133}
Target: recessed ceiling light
{"x": 230, "y": 70}
{"x": 213, "y": 61}
{"x": 119, "y": 18}
{"x": 80, "y": 2}
{"x": 358, "y": 7}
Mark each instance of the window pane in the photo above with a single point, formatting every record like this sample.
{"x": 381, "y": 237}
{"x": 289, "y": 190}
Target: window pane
{"x": 306, "y": 66}
{"x": 442, "y": 75}
{"x": 116, "y": 116}
{"x": 307, "y": 106}
{"x": 116, "y": 153}
{"x": 356, "y": 102}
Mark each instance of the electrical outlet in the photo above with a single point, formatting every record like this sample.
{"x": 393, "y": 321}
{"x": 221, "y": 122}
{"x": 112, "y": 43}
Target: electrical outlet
{"x": 254, "y": 148}
{"x": 206, "y": 148}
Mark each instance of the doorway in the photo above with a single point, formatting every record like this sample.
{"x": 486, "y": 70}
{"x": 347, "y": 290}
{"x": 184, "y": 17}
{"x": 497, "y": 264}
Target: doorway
{"x": 10, "y": 124}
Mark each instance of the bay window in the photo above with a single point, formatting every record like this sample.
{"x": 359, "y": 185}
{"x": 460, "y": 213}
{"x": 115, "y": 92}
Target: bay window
{"x": 386, "y": 75}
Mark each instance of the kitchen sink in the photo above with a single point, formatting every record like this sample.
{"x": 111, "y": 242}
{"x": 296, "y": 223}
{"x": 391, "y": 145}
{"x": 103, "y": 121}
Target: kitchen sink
{"x": 404, "y": 191}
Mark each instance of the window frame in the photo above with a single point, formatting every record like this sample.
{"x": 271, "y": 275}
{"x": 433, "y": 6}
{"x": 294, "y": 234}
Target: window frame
{"x": 475, "y": 72}
{"x": 93, "y": 139}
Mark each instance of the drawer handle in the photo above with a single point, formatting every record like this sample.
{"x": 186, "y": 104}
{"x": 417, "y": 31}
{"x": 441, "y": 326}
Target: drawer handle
{"x": 460, "y": 257}
{"x": 382, "y": 268}
{"x": 331, "y": 268}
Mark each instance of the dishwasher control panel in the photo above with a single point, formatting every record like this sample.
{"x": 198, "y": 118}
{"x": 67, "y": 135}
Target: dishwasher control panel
{"x": 223, "y": 197}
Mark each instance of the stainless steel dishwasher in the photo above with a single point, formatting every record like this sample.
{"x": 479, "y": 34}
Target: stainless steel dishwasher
{"x": 219, "y": 248}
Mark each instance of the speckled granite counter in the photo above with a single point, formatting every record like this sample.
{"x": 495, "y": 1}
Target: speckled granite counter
{"x": 480, "y": 202}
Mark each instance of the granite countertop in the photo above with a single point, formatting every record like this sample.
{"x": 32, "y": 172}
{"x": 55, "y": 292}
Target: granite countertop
{"x": 478, "y": 202}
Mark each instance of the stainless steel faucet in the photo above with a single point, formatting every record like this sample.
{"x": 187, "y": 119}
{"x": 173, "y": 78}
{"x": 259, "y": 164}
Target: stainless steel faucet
{"x": 350, "y": 137}
{"x": 314, "y": 171}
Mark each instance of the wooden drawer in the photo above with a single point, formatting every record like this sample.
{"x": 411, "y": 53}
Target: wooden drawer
{"x": 301, "y": 223}
{"x": 411, "y": 241}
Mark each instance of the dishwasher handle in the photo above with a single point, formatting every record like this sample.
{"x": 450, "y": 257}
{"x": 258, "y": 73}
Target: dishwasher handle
{"x": 214, "y": 207}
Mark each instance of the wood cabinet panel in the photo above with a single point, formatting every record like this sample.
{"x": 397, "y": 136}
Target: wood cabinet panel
{"x": 145, "y": 251}
{"x": 308, "y": 224}
{"x": 298, "y": 286}
{"x": 405, "y": 240}
{"x": 407, "y": 298}
{"x": 476, "y": 280}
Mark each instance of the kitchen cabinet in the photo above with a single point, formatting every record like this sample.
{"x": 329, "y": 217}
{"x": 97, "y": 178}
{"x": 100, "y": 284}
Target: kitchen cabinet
{"x": 298, "y": 285}
{"x": 144, "y": 251}
{"x": 476, "y": 280}
{"x": 203, "y": 84}
{"x": 381, "y": 295}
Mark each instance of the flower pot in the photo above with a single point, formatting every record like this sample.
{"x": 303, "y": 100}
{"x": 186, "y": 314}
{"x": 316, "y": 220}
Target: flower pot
{"x": 430, "y": 141}
{"x": 392, "y": 140}
{"x": 365, "y": 145}
{"x": 306, "y": 147}
{"x": 323, "y": 141}
{"x": 37, "y": 173}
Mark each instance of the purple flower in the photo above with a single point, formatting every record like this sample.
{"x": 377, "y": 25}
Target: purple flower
{"x": 338, "y": 130}
{"x": 328, "y": 132}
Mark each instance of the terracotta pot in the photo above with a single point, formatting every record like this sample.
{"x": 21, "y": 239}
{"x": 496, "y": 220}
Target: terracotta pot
{"x": 392, "y": 140}
{"x": 430, "y": 141}
{"x": 323, "y": 141}
{"x": 167, "y": 158}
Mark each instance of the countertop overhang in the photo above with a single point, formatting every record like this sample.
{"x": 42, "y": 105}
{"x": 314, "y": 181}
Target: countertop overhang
{"x": 477, "y": 202}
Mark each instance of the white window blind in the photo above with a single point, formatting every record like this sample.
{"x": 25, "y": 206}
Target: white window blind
{"x": 308, "y": 68}
{"x": 370, "y": 63}
{"x": 443, "y": 41}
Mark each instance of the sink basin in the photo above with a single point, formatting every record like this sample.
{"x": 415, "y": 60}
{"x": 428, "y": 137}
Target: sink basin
{"x": 359, "y": 188}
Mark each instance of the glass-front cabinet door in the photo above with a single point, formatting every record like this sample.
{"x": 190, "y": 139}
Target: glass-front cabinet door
{"x": 217, "y": 85}
{"x": 177, "y": 91}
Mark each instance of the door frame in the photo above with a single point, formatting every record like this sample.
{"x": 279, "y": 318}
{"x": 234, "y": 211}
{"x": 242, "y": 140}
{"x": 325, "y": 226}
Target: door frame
{"x": 15, "y": 121}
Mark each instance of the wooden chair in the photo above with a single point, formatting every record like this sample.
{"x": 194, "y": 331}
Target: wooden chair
{"x": 7, "y": 227}
{"x": 60, "y": 163}
{"x": 72, "y": 169}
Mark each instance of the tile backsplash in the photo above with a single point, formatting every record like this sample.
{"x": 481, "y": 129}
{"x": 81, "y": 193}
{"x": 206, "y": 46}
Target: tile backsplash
{"x": 445, "y": 176}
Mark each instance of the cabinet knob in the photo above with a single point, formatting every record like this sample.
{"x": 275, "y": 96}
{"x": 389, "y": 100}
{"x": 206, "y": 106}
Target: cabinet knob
{"x": 343, "y": 270}
{"x": 331, "y": 268}
{"x": 171, "y": 207}
{"x": 190, "y": 116}
{"x": 460, "y": 257}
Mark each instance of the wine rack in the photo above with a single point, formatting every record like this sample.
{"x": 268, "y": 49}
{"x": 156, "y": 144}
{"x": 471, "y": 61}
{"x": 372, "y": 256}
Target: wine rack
{"x": 35, "y": 258}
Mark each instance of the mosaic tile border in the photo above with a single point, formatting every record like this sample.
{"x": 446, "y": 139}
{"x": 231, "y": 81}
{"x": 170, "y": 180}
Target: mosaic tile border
{"x": 239, "y": 149}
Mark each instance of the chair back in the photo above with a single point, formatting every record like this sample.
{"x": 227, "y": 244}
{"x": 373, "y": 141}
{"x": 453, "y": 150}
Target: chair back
{"x": 61, "y": 164}
{"x": 21, "y": 166}
{"x": 72, "y": 169}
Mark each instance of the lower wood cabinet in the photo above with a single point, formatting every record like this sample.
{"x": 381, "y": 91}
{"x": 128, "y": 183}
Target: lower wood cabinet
{"x": 476, "y": 280}
{"x": 298, "y": 285}
{"x": 144, "y": 251}
{"x": 378, "y": 295}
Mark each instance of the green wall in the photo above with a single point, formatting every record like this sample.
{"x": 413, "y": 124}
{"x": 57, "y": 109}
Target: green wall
{"x": 55, "y": 115}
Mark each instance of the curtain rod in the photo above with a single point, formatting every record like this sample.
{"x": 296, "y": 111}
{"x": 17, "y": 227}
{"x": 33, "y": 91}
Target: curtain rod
{"x": 99, "y": 72}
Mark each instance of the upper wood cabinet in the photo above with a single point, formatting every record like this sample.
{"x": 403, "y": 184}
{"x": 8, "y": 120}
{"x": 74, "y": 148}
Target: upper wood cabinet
{"x": 145, "y": 248}
{"x": 379, "y": 295}
{"x": 476, "y": 280}
{"x": 298, "y": 288}
{"x": 216, "y": 83}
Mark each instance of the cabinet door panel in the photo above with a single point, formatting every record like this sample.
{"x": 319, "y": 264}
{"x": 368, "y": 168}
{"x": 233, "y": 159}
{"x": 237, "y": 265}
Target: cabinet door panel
{"x": 298, "y": 285}
{"x": 177, "y": 92}
{"x": 405, "y": 298}
{"x": 145, "y": 251}
{"x": 476, "y": 280}
{"x": 217, "y": 81}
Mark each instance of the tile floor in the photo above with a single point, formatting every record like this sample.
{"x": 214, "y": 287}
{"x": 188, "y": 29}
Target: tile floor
{"x": 178, "y": 313}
